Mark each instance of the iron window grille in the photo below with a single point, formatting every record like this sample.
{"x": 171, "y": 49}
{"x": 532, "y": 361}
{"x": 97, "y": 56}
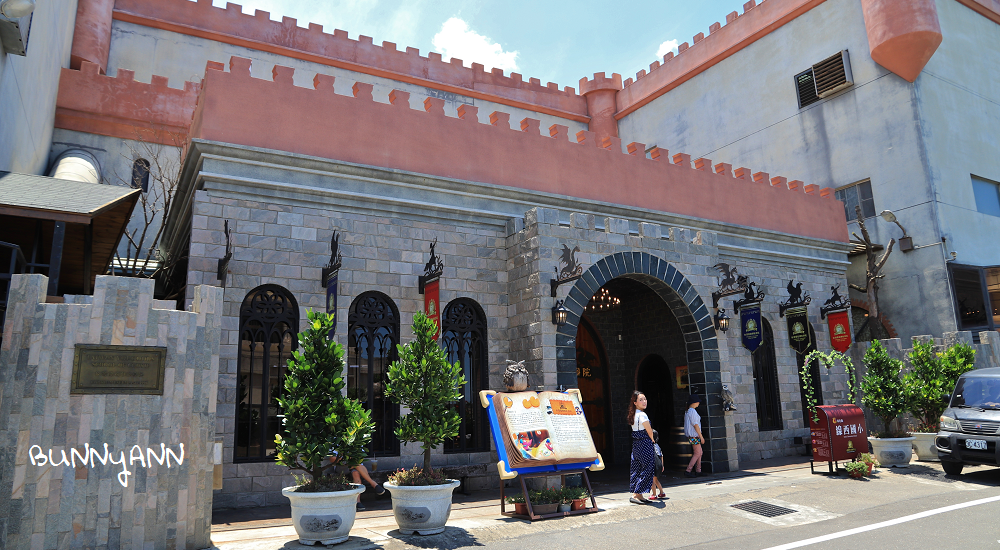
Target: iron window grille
{"x": 269, "y": 320}
{"x": 858, "y": 194}
{"x": 464, "y": 338}
{"x": 372, "y": 336}
{"x": 824, "y": 79}
{"x": 765, "y": 373}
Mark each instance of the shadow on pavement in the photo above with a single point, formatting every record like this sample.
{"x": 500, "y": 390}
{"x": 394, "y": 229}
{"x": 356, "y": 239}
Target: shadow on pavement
{"x": 450, "y": 539}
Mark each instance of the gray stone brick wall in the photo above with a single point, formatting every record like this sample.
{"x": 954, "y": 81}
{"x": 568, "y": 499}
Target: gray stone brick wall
{"x": 162, "y": 506}
{"x": 288, "y": 245}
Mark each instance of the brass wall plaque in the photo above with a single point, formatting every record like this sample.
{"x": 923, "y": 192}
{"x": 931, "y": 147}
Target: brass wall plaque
{"x": 118, "y": 369}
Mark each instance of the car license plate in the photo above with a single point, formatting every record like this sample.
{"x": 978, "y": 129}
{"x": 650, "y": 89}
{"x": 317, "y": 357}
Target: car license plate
{"x": 977, "y": 444}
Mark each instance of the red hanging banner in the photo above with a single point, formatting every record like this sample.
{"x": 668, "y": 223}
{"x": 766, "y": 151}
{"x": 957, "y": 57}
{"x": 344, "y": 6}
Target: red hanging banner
{"x": 840, "y": 330}
{"x": 431, "y": 306}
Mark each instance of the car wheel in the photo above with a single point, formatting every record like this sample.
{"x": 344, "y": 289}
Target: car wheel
{"x": 952, "y": 468}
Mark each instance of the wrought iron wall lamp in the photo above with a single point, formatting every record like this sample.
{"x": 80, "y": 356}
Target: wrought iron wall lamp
{"x": 559, "y": 313}
{"x": 721, "y": 321}
{"x": 905, "y": 242}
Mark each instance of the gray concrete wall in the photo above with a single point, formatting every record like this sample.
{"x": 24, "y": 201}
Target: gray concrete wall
{"x": 28, "y": 88}
{"x": 744, "y": 111}
{"x": 51, "y": 500}
{"x": 957, "y": 99}
{"x": 182, "y": 58}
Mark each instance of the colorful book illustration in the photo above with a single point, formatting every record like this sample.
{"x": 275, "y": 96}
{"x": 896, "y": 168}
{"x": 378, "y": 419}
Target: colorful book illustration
{"x": 541, "y": 429}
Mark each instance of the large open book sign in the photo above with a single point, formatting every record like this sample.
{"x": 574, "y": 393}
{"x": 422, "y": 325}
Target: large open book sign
{"x": 538, "y": 432}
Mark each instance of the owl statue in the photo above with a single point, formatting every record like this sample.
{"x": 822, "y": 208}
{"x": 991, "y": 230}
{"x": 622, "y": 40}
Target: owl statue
{"x": 515, "y": 377}
{"x": 728, "y": 399}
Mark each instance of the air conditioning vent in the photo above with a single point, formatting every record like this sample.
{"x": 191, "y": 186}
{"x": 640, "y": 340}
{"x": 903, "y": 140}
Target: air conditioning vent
{"x": 806, "y": 86}
{"x": 833, "y": 74}
{"x": 824, "y": 79}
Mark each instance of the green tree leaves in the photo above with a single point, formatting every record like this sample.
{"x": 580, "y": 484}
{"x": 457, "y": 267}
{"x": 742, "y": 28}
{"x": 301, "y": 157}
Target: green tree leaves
{"x": 933, "y": 378}
{"x": 317, "y": 417}
{"x": 884, "y": 393}
{"x": 423, "y": 381}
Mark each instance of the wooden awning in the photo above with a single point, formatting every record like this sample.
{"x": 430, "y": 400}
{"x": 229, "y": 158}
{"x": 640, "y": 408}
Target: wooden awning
{"x": 92, "y": 216}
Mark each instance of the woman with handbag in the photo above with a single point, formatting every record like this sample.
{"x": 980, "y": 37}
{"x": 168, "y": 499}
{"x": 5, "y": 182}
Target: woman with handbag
{"x": 643, "y": 455}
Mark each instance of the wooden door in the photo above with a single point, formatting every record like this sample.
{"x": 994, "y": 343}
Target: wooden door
{"x": 592, "y": 378}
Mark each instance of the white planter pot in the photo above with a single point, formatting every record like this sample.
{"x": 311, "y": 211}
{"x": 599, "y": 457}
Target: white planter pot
{"x": 324, "y": 518}
{"x": 893, "y": 452}
{"x": 923, "y": 445}
{"x": 422, "y": 509}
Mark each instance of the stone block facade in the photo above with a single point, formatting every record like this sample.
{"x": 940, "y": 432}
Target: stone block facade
{"x": 500, "y": 248}
{"x": 53, "y": 493}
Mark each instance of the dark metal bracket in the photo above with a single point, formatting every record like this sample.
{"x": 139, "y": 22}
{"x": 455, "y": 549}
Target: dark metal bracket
{"x": 432, "y": 269}
{"x": 795, "y": 298}
{"x": 835, "y": 303}
{"x": 751, "y": 295}
{"x": 732, "y": 283}
{"x": 223, "y": 268}
{"x": 336, "y": 260}
{"x": 571, "y": 269}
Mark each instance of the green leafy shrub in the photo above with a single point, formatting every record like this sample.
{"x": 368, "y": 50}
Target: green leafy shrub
{"x": 569, "y": 494}
{"x": 417, "y": 476}
{"x": 423, "y": 381}
{"x": 932, "y": 379}
{"x": 868, "y": 458}
{"x": 884, "y": 393}
{"x": 828, "y": 360}
{"x": 317, "y": 419}
{"x": 546, "y": 496}
{"x": 856, "y": 468}
{"x": 515, "y": 499}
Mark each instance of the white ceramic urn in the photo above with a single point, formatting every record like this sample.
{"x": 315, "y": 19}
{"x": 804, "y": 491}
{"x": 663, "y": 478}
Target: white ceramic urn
{"x": 924, "y": 446}
{"x": 423, "y": 509}
{"x": 324, "y": 518}
{"x": 893, "y": 452}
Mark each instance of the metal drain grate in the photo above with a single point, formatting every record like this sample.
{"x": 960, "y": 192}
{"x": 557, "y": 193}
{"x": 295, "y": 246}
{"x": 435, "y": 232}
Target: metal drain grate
{"x": 763, "y": 508}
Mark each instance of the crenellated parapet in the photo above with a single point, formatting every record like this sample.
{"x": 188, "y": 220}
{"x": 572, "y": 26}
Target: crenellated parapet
{"x": 119, "y": 106}
{"x": 230, "y": 25}
{"x": 740, "y": 30}
{"x": 236, "y": 108}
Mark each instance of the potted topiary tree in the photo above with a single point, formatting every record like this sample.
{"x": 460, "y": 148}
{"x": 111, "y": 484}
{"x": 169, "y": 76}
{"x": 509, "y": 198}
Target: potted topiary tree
{"x": 424, "y": 382}
{"x": 318, "y": 419}
{"x": 885, "y": 397}
{"x": 929, "y": 385}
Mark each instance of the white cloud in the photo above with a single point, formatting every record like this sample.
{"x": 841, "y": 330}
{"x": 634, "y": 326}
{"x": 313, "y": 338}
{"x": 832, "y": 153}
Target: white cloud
{"x": 668, "y": 46}
{"x": 456, "y": 39}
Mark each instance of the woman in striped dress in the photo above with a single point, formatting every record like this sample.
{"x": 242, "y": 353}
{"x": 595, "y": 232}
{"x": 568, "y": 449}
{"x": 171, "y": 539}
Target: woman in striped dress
{"x": 643, "y": 456}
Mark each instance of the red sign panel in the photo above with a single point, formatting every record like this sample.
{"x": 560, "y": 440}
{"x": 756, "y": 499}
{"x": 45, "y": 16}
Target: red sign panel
{"x": 840, "y": 330}
{"x": 840, "y": 433}
{"x": 431, "y": 306}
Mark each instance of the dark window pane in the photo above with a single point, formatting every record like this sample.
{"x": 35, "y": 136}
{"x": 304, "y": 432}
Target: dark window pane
{"x": 849, "y": 196}
{"x": 373, "y": 332}
{"x": 463, "y": 337}
{"x": 865, "y": 190}
{"x": 140, "y": 175}
{"x": 969, "y": 295}
{"x": 987, "y": 196}
{"x": 765, "y": 374}
{"x": 867, "y": 202}
{"x": 268, "y": 321}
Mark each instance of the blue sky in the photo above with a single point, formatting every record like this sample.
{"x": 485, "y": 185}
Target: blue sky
{"x": 553, "y": 41}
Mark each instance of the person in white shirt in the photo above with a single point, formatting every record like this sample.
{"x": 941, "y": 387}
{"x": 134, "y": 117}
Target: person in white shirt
{"x": 692, "y": 431}
{"x": 643, "y": 455}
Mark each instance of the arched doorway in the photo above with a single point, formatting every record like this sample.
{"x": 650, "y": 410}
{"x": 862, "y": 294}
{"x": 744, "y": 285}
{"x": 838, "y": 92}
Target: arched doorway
{"x": 669, "y": 296}
{"x": 592, "y": 379}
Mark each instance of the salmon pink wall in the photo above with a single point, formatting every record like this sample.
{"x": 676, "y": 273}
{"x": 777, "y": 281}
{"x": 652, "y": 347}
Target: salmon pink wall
{"x": 230, "y": 25}
{"x": 235, "y": 108}
{"x": 121, "y": 107}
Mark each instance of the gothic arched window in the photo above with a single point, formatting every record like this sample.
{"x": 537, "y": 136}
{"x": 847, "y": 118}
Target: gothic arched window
{"x": 765, "y": 378}
{"x": 463, "y": 336}
{"x": 140, "y": 175}
{"x": 269, "y": 322}
{"x": 372, "y": 335}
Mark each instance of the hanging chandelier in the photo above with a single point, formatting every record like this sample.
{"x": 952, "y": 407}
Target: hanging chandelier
{"x": 603, "y": 301}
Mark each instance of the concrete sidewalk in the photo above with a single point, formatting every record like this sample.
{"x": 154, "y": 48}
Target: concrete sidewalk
{"x": 271, "y": 528}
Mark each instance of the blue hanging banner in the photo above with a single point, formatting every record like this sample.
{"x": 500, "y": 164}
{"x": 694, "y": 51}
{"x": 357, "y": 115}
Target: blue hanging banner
{"x": 750, "y": 326}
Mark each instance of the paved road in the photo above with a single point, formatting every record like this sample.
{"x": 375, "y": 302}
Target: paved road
{"x": 856, "y": 514}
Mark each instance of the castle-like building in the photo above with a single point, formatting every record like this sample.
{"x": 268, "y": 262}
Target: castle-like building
{"x": 311, "y": 170}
